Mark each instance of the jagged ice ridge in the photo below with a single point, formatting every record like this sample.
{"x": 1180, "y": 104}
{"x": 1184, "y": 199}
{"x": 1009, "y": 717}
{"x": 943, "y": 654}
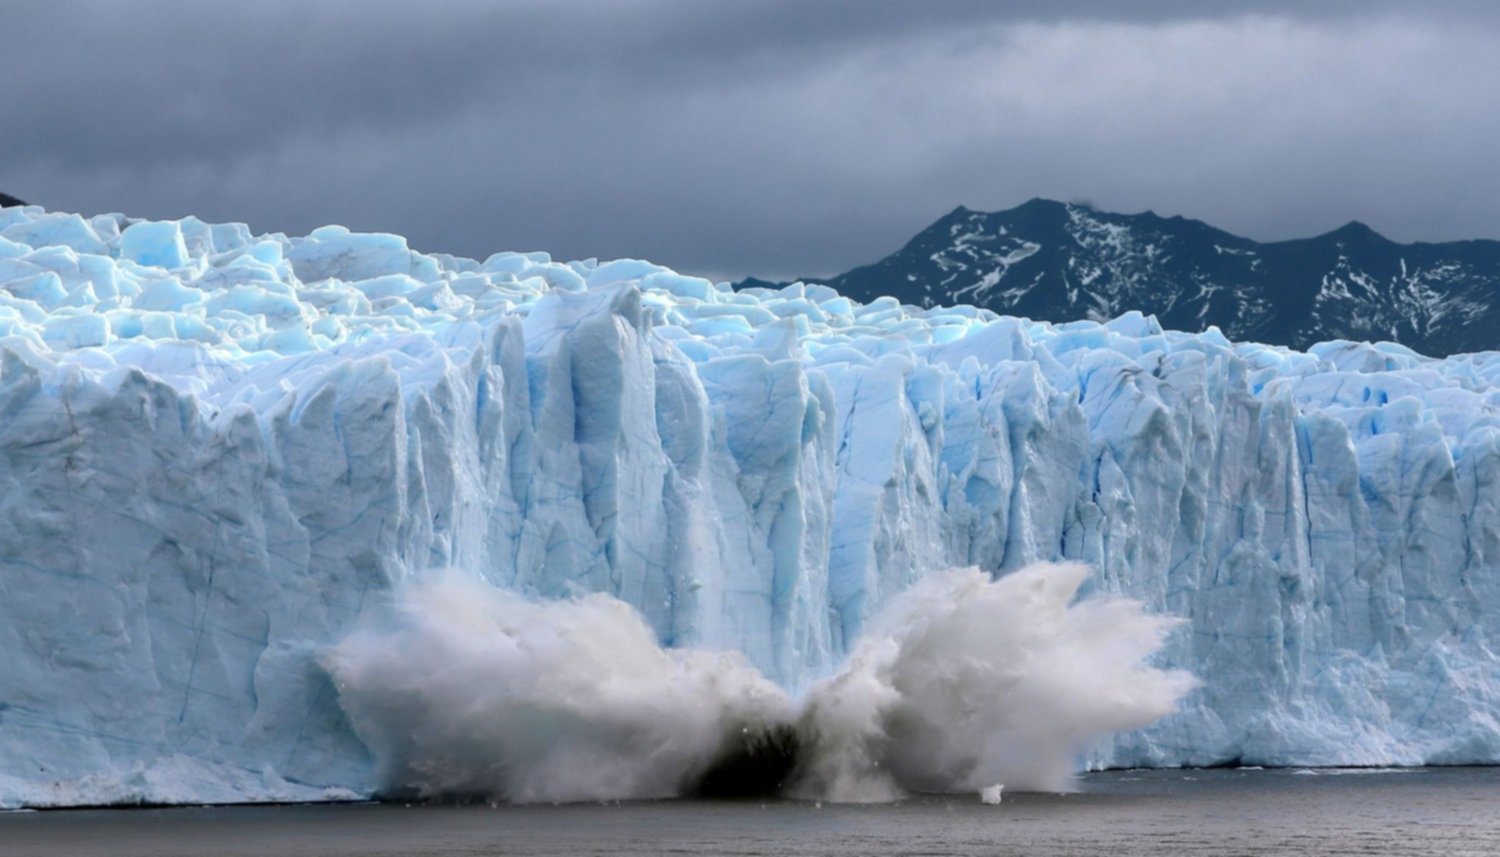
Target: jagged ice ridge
{"x": 218, "y": 449}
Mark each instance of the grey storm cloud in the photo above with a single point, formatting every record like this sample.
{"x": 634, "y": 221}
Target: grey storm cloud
{"x": 730, "y": 138}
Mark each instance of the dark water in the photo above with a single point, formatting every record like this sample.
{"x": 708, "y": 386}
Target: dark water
{"x": 1453, "y": 811}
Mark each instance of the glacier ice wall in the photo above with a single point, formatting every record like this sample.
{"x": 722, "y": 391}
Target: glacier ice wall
{"x": 218, "y": 449}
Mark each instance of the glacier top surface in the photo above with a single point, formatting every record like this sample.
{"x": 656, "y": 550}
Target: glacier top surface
{"x": 232, "y": 316}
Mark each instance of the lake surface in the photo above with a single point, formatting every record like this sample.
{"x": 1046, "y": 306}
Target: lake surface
{"x": 1447, "y": 811}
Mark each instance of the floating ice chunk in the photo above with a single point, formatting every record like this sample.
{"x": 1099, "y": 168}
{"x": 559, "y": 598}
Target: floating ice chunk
{"x": 79, "y": 331}
{"x": 158, "y": 244}
{"x": 335, "y": 251}
{"x": 31, "y": 226}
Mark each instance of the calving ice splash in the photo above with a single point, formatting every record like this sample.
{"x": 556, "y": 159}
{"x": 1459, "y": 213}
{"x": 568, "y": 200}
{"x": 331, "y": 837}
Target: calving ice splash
{"x": 234, "y": 467}
{"x": 466, "y": 690}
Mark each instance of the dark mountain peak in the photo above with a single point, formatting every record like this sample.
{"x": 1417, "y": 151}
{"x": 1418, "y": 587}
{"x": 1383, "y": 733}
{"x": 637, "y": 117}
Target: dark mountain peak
{"x": 6, "y": 201}
{"x": 1354, "y": 230}
{"x": 1177, "y": 224}
{"x": 758, "y": 283}
{"x": 1035, "y": 213}
{"x": 1039, "y": 204}
{"x": 957, "y": 215}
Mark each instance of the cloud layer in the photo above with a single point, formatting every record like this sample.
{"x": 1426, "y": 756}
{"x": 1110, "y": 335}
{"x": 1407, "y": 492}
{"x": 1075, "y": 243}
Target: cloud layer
{"x": 733, "y": 138}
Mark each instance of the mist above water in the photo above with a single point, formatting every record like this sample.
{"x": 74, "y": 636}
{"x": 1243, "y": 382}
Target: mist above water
{"x": 463, "y": 690}
{"x": 965, "y": 682}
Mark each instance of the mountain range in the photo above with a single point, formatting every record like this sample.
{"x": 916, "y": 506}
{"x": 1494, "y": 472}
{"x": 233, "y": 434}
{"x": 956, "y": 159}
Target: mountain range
{"x": 1058, "y": 261}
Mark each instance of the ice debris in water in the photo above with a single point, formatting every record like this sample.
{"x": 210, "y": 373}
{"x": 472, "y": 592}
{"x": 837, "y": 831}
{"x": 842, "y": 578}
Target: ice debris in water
{"x": 218, "y": 450}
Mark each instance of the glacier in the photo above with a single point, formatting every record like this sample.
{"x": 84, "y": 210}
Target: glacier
{"x": 220, "y": 450}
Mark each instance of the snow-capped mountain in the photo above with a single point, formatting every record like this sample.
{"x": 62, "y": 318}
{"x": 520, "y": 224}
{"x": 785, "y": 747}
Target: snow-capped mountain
{"x": 1054, "y": 261}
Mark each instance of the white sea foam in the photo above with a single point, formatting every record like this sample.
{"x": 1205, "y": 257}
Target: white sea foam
{"x": 465, "y": 690}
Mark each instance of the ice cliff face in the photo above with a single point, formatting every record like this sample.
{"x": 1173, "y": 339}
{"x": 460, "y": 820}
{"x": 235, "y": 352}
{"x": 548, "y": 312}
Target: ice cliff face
{"x": 217, "y": 450}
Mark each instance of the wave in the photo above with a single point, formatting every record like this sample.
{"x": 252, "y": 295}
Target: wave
{"x": 465, "y": 691}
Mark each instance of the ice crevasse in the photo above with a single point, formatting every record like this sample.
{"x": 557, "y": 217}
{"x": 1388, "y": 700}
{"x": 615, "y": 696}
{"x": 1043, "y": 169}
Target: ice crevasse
{"x": 218, "y": 450}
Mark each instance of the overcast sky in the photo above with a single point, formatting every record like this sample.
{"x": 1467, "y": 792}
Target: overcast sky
{"x": 774, "y": 138}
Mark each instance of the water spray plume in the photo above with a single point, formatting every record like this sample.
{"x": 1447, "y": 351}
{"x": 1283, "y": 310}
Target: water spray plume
{"x": 465, "y": 691}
